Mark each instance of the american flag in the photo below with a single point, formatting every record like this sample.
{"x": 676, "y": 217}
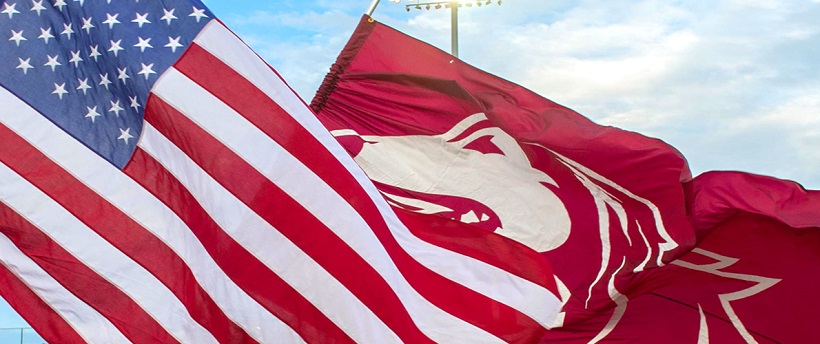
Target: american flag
{"x": 159, "y": 182}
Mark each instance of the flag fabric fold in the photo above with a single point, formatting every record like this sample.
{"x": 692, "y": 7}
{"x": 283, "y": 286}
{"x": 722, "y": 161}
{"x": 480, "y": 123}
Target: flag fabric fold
{"x": 715, "y": 196}
{"x": 750, "y": 278}
{"x": 159, "y": 182}
{"x": 640, "y": 249}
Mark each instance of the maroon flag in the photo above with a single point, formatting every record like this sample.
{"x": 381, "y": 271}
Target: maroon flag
{"x": 609, "y": 208}
{"x": 182, "y": 193}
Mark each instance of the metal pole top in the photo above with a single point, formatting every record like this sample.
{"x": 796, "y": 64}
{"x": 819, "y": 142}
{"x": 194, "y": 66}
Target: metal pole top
{"x": 372, "y": 8}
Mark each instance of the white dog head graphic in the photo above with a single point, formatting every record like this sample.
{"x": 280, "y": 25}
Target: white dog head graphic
{"x": 512, "y": 194}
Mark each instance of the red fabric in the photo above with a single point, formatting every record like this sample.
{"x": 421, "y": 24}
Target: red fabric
{"x": 716, "y": 196}
{"x": 752, "y": 247}
{"x": 762, "y": 251}
{"x": 644, "y": 236}
{"x": 389, "y": 85}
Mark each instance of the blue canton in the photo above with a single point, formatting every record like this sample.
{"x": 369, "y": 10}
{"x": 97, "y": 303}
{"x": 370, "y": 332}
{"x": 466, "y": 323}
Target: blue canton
{"x": 88, "y": 65}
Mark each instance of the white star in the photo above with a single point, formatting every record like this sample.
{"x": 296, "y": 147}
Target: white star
{"x": 111, "y": 20}
{"x": 67, "y": 30}
{"x": 104, "y": 80}
{"x": 87, "y": 25}
{"x": 169, "y": 15}
{"x": 95, "y": 52}
{"x": 115, "y": 47}
{"x": 134, "y": 103}
{"x": 45, "y": 34}
{"x": 123, "y": 74}
{"x": 198, "y": 14}
{"x": 25, "y": 65}
{"x": 92, "y": 113}
{"x": 141, "y": 19}
{"x": 116, "y": 108}
{"x": 52, "y": 62}
{"x": 147, "y": 70}
{"x": 59, "y": 90}
{"x": 9, "y": 9}
{"x": 83, "y": 85}
{"x": 17, "y": 37}
{"x": 125, "y": 135}
{"x": 59, "y": 4}
{"x": 173, "y": 43}
{"x": 37, "y": 6}
{"x": 75, "y": 57}
{"x": 143, "y": 44}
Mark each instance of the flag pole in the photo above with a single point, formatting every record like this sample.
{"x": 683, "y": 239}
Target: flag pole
{"x": 372, "y": 8}
{"x": 454, "y": 27}
{"x": 453, "y": 5}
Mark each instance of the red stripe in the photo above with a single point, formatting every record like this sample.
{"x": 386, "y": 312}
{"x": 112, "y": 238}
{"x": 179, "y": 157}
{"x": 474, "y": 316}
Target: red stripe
{"x": 495, "y": 317}
{"x": 286, "y": 215}
{"x": 119, "y": 230}
{"x": 243, "y": 268}
{"x": 48, "y": 324}
{"x": 125, "y": 314}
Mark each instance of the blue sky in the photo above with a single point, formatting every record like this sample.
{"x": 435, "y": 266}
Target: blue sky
{"x": 733, "y": 84}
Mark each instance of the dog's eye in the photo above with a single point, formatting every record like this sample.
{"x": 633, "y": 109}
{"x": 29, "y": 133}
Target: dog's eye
{"x": 485, "y": 145}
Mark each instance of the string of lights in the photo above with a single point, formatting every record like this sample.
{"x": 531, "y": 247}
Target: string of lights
{"x": 452, "y": 5}
{"x": 445, "y": 4}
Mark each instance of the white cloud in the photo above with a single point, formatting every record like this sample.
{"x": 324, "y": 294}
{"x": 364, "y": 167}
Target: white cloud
{"x": 300, "y": 43}
{"x": 724, "y": 82}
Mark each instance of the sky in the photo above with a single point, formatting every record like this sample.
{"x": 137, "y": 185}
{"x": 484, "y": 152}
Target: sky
{"x": 732, "y": 84}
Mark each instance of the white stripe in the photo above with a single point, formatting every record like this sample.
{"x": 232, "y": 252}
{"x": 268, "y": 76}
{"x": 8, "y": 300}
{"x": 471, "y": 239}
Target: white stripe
{"x": 273, "y": 249}
{"x": 87, "y": 322}
{"x": 621, "y": 302}
{"x": 96, "y": 253}
{"x": 703, "y": 332}
{"x": 529, "y": 298}
{"x": 600, "y": 197}
{"x": 86, "y": 245}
